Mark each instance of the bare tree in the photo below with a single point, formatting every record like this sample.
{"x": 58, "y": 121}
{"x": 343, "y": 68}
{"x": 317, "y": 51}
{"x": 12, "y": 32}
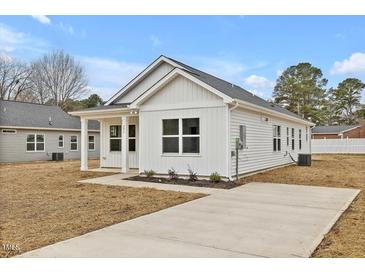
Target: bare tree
{"x": 14, "y": 78}
{"x": 57, "y": 78}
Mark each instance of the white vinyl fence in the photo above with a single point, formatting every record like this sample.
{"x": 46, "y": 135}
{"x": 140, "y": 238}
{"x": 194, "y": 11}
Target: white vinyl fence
{"x": 355, "y": 145}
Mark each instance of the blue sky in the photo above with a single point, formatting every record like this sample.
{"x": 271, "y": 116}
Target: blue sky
{"x": 247, "y": 50}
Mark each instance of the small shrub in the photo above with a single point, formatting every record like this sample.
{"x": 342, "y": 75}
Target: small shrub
{"x": 172, "y": 174}
{"x": 149, "y": 173}
{"x": 192, "y": 174}
{"x": 215, "y": 177}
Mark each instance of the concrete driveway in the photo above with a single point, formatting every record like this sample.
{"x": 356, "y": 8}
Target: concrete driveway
{"x": 255, "y": 220}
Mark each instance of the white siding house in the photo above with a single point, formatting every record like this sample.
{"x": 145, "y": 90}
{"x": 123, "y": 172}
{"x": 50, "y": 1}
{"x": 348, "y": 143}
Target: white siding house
{"x": 174, "y": 116}
{"x": 33, "y": 132}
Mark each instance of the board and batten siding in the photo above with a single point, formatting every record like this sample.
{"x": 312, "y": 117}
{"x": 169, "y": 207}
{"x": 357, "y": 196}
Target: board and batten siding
{"x": 13, "y": 146}
{"x": 114, "y": 158}
{"x": 146, "y": 83}
{"x": 259, "y": 153}
{"x": 182, "y": 98}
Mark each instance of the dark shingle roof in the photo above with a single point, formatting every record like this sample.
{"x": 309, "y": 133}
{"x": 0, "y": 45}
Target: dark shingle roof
{"x": 332, "y": 129}
{"x": 234, "y": 91}
{"x": 112, "y": 106}
{"x": 22, "y": 114}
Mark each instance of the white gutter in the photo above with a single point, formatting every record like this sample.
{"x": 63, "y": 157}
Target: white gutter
{"x": 256, "y": 108}
{"x": 46, "y": 128}
{"x": 111, "y": 111}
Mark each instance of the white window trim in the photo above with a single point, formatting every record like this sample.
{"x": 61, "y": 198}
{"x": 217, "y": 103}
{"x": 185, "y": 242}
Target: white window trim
{"x": 35, "y": 142}
{"x": 77, "y": 143}
{"x": 115, "y": 138}
{"x": 180, "y": 136}
{"x": 292, "y": 134}
{"x": 3, "y": 131}
{"x": 88, "y": 142}
{"x": 63, "y": 141}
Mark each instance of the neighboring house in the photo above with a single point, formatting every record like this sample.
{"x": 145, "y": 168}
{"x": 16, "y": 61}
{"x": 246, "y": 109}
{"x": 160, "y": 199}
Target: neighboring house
{"x": 339, "y": 132}
{"x": 174, "y": 116}
{"x": 31, "y": 132}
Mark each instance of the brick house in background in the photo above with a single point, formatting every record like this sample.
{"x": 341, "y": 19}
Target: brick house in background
{"x": 338, "y": 132}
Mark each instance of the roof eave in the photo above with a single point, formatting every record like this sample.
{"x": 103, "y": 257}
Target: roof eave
{"x": 272, "y": 112}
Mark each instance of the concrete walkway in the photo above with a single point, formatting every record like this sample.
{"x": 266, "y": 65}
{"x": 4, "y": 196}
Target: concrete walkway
{"x": 255, "y": 220}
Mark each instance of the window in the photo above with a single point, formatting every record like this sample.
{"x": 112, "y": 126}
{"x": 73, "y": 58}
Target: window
{"x": 60, "y": 141}
{"x": 276, "y": 138}
{"x": 287, "y": 136}
{"x": 300, "y": 139}
{"x": 292, "y": 138}
{"x": 306, "y": 134}
{"x": 243, "y": 136}
{"x": 132, "y": 138}
{"x": 181, "y": 132}
{"x": 191, "y": 137}
{"x": 35, "y": 142}
{"x": 8, "y": 131}
{"x": 73, "y": 143}
{"x": 170, "y": 136}
{"x": 91, "y": 142}
{"x": 115, "y": 138}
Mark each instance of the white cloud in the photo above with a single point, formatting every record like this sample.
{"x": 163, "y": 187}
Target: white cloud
{"x": 279, "y": 72}
{"x": 43, "y": 19}
{"x": 12, "y": 40}
{"x": 223, "y": 68}
{"x": 107, "y": 76}
{"x": 66, "y": 28}
{"x": 260, "y": 82}
{"x": 354, "y": 65}
{"x": 155, "y": 40}
{"x": 9, "y": 38}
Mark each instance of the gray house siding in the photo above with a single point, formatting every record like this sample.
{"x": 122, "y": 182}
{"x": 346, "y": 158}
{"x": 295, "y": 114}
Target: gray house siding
{"x": 13, "y": 146}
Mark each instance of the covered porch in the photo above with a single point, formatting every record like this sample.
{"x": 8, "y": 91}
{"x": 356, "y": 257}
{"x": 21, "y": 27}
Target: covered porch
{"x": 119, "y": 138}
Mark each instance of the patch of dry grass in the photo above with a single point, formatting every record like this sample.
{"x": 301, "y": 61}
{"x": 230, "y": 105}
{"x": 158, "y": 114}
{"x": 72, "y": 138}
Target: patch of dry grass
{"x": 347, "y": 237}
{"x": 42, "y": 203}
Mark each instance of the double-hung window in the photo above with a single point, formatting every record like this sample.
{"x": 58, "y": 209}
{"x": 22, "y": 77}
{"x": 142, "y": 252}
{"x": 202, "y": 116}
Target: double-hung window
{"x": 91, "y": 142}
{"x": 73, "y": 143}
{"x": 276, "y": 138}
{"x": 190, "y": 136}
{"x": 60, "y": 141}
{"x": 132, "y": 138}
{"x": 292, "y": 138}
{"x": 287, "y": 136}
{"x": 300, "y": 139}
{"x": 170, "y": 136}
{"x": 115, "y": 138}
{"x": 35, "y": 142}
{"x": 181, "y": 136}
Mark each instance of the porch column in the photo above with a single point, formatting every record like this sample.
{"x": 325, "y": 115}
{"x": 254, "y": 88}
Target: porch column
{"x": 125, "y": 160}
{"x": 84, "y": 144}
{"x": 101, "y": 143}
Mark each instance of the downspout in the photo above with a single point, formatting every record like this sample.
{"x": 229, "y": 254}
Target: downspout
{"x": 229, "y": 138}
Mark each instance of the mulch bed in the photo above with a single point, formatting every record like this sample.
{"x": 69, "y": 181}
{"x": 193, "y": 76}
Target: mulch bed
{"x": 199, "y": 183}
